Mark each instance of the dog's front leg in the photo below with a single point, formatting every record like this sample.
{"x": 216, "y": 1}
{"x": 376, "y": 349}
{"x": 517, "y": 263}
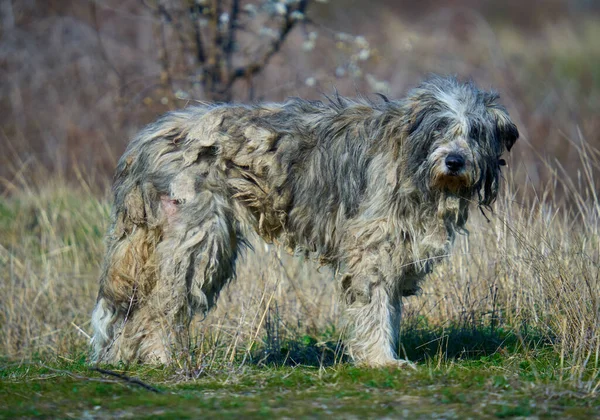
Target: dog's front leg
{"x": 373, "y": 312}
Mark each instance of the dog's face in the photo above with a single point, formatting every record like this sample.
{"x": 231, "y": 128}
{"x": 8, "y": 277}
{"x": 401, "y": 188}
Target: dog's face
{"x": 457, "y": 135}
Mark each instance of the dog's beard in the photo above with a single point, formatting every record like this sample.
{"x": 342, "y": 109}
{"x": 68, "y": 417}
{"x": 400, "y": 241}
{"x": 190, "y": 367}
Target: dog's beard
{"x": 441, "y": 179}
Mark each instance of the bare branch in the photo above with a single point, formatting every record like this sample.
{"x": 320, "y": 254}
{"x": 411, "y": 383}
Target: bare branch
{"x": 211, "y": 70}
{"x": 230, "y": 44}
{"x": 255, "y": 67}
{"x": 103, "y": 53}
{"x": 195, "y": 17}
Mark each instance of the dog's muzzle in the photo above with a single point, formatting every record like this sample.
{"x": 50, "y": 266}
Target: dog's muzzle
{"x": 451, "y": 173}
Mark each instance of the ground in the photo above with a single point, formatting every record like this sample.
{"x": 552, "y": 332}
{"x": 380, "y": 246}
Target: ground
{"x": 496, "y": 386}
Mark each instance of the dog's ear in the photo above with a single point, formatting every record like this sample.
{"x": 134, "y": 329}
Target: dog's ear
{"x": 506, "y": 130}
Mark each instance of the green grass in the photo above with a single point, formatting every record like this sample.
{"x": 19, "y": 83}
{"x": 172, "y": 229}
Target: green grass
{"x": 460, "y": 373}
{"x": 495, "y": 386}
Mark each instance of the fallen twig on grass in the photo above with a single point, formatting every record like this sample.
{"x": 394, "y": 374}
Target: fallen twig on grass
{"x": 127, "y": 379}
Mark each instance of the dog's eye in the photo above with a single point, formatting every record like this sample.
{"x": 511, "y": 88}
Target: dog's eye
{"x": 441, "y": 126}
{"x": 474, "y": 132}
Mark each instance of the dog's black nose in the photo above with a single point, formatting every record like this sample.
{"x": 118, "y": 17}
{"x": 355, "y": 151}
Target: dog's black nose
{"x": 455, "y": 162}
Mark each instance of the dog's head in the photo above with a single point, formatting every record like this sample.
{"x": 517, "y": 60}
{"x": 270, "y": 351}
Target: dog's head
{"x": 454, "y": 137}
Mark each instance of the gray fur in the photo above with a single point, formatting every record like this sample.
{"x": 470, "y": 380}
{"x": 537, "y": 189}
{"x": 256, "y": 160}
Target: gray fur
{"x": 364, "y": 187}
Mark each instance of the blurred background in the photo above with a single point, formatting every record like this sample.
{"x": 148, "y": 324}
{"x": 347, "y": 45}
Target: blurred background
{"x": 79, "y": 77}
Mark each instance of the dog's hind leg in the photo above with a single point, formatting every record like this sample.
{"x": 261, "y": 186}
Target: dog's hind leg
{"x": 196, "y": 258}
{"x": 129, "y": 270}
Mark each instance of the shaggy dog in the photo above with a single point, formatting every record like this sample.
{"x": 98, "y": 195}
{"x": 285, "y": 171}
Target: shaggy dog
{"x": 378, "y": 191}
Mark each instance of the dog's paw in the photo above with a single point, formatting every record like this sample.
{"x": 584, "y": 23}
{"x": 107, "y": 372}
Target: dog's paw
{"x": 404, "y": 364}
{"x": 390, "y": 363}
{"x": 396, "y": 363}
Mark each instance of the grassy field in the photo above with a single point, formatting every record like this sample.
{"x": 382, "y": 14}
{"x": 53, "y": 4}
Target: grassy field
{"x": 500, "y": 386}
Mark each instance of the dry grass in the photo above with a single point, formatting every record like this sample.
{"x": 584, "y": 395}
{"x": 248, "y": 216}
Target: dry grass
{"x": 533, "y": 268}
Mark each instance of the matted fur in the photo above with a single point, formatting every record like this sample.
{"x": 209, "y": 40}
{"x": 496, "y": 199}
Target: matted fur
{"x": 376, "y": 190}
